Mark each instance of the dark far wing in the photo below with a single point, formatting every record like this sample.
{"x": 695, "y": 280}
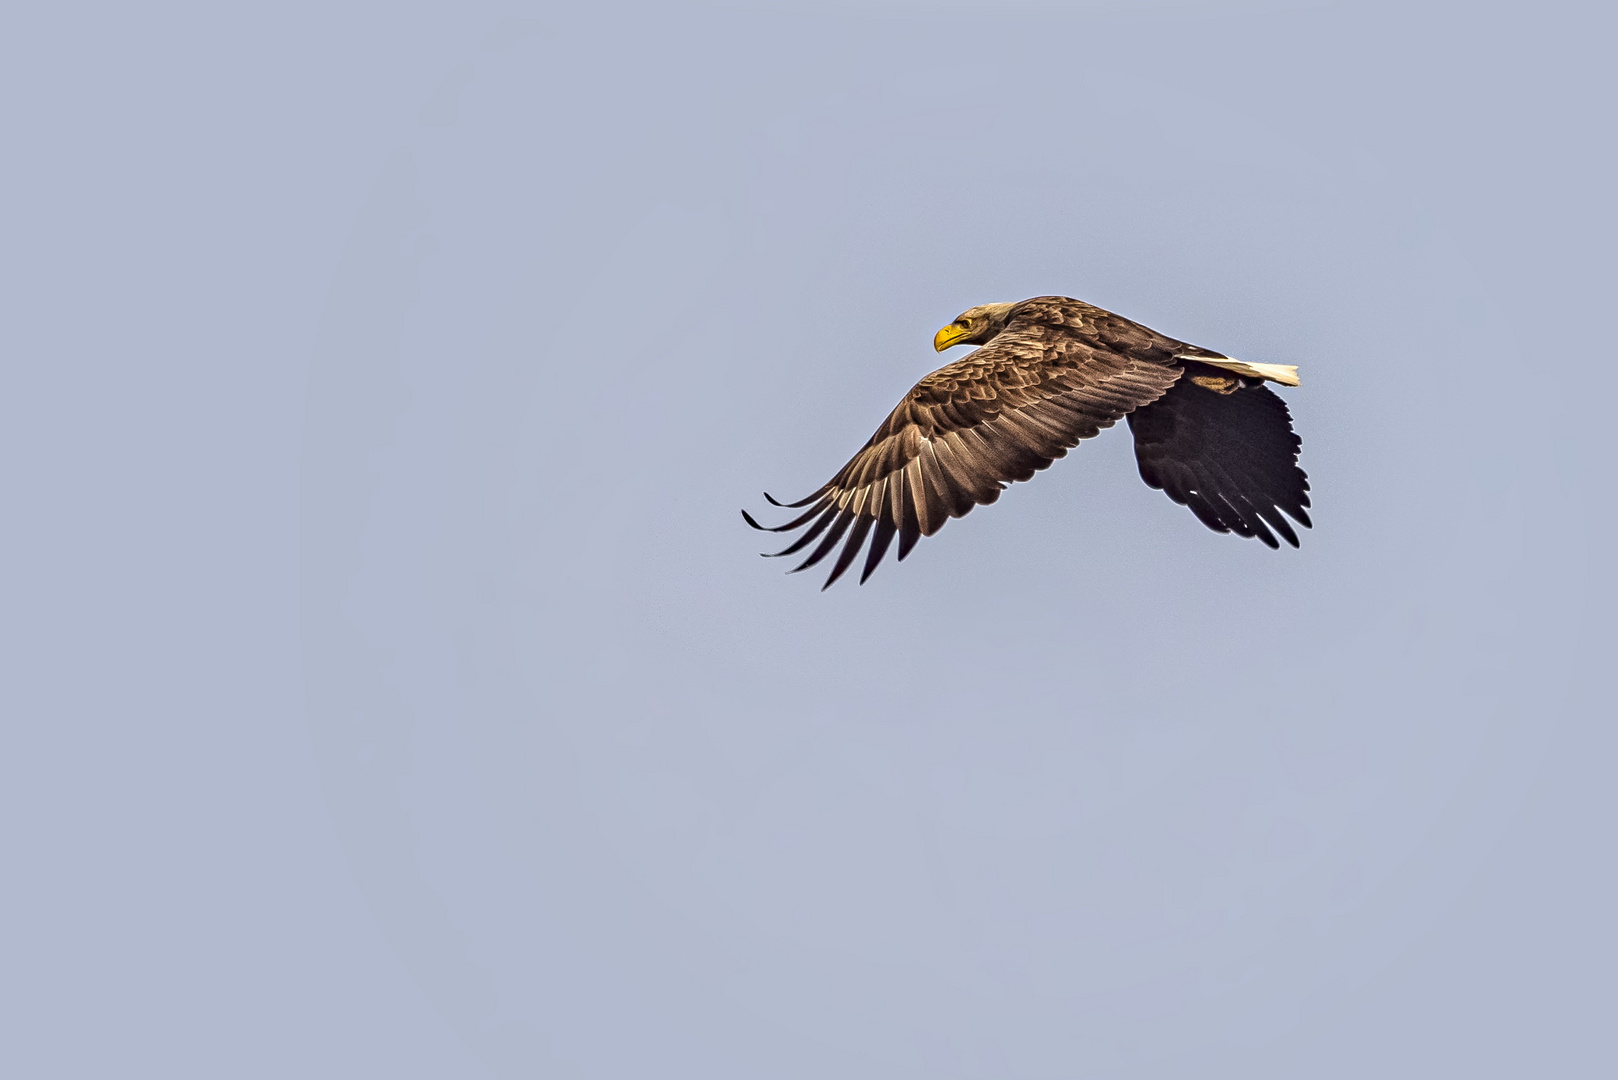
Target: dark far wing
{"x": 1231, "y": 458}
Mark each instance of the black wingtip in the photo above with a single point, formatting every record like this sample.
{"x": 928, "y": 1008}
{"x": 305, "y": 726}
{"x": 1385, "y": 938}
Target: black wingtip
{"x": 773, "y": 500}
{"x": 749, "y": 519}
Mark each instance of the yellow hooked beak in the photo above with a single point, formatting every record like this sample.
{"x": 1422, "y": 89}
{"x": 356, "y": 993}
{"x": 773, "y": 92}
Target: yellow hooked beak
{"x": 949, "y": 336}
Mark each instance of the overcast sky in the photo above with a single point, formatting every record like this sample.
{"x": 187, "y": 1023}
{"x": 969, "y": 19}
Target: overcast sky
{"x": 395, "y": 689}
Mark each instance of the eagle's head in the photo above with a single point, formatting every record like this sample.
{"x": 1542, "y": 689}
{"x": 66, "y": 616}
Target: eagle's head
{"x": 977, "y": 326}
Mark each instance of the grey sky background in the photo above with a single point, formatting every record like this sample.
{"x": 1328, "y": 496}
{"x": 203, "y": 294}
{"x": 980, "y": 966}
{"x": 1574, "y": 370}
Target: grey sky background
{"x": 395, "y": 689}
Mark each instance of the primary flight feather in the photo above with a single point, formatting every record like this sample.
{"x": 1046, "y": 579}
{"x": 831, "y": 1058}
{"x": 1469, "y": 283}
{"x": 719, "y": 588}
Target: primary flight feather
{"x": 1053, "y": 371}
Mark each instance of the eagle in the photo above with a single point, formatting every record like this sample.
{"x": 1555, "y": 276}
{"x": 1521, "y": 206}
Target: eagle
{"x": 1050, "y": 372}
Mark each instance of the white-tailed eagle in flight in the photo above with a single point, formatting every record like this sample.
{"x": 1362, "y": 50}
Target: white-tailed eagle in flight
{"x": 1053, "y": 371}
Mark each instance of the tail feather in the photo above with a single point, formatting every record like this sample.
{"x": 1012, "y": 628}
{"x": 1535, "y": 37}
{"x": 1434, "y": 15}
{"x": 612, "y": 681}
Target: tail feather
{"x": 1285, "y": 374}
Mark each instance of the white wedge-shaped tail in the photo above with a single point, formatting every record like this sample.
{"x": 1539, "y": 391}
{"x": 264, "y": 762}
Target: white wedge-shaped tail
{"x": 1285, "y": 374}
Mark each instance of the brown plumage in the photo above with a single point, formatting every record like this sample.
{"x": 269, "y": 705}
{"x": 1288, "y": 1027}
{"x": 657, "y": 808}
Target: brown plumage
{"x": 1052, "y": 371}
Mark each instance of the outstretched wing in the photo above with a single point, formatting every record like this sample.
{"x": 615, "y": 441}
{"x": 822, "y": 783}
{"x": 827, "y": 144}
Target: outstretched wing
{"x": 1230, "y": 456}
{"x": 999, "y": 414}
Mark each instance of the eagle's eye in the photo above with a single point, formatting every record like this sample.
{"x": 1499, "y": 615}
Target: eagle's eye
{"x": 964, "y": 324}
